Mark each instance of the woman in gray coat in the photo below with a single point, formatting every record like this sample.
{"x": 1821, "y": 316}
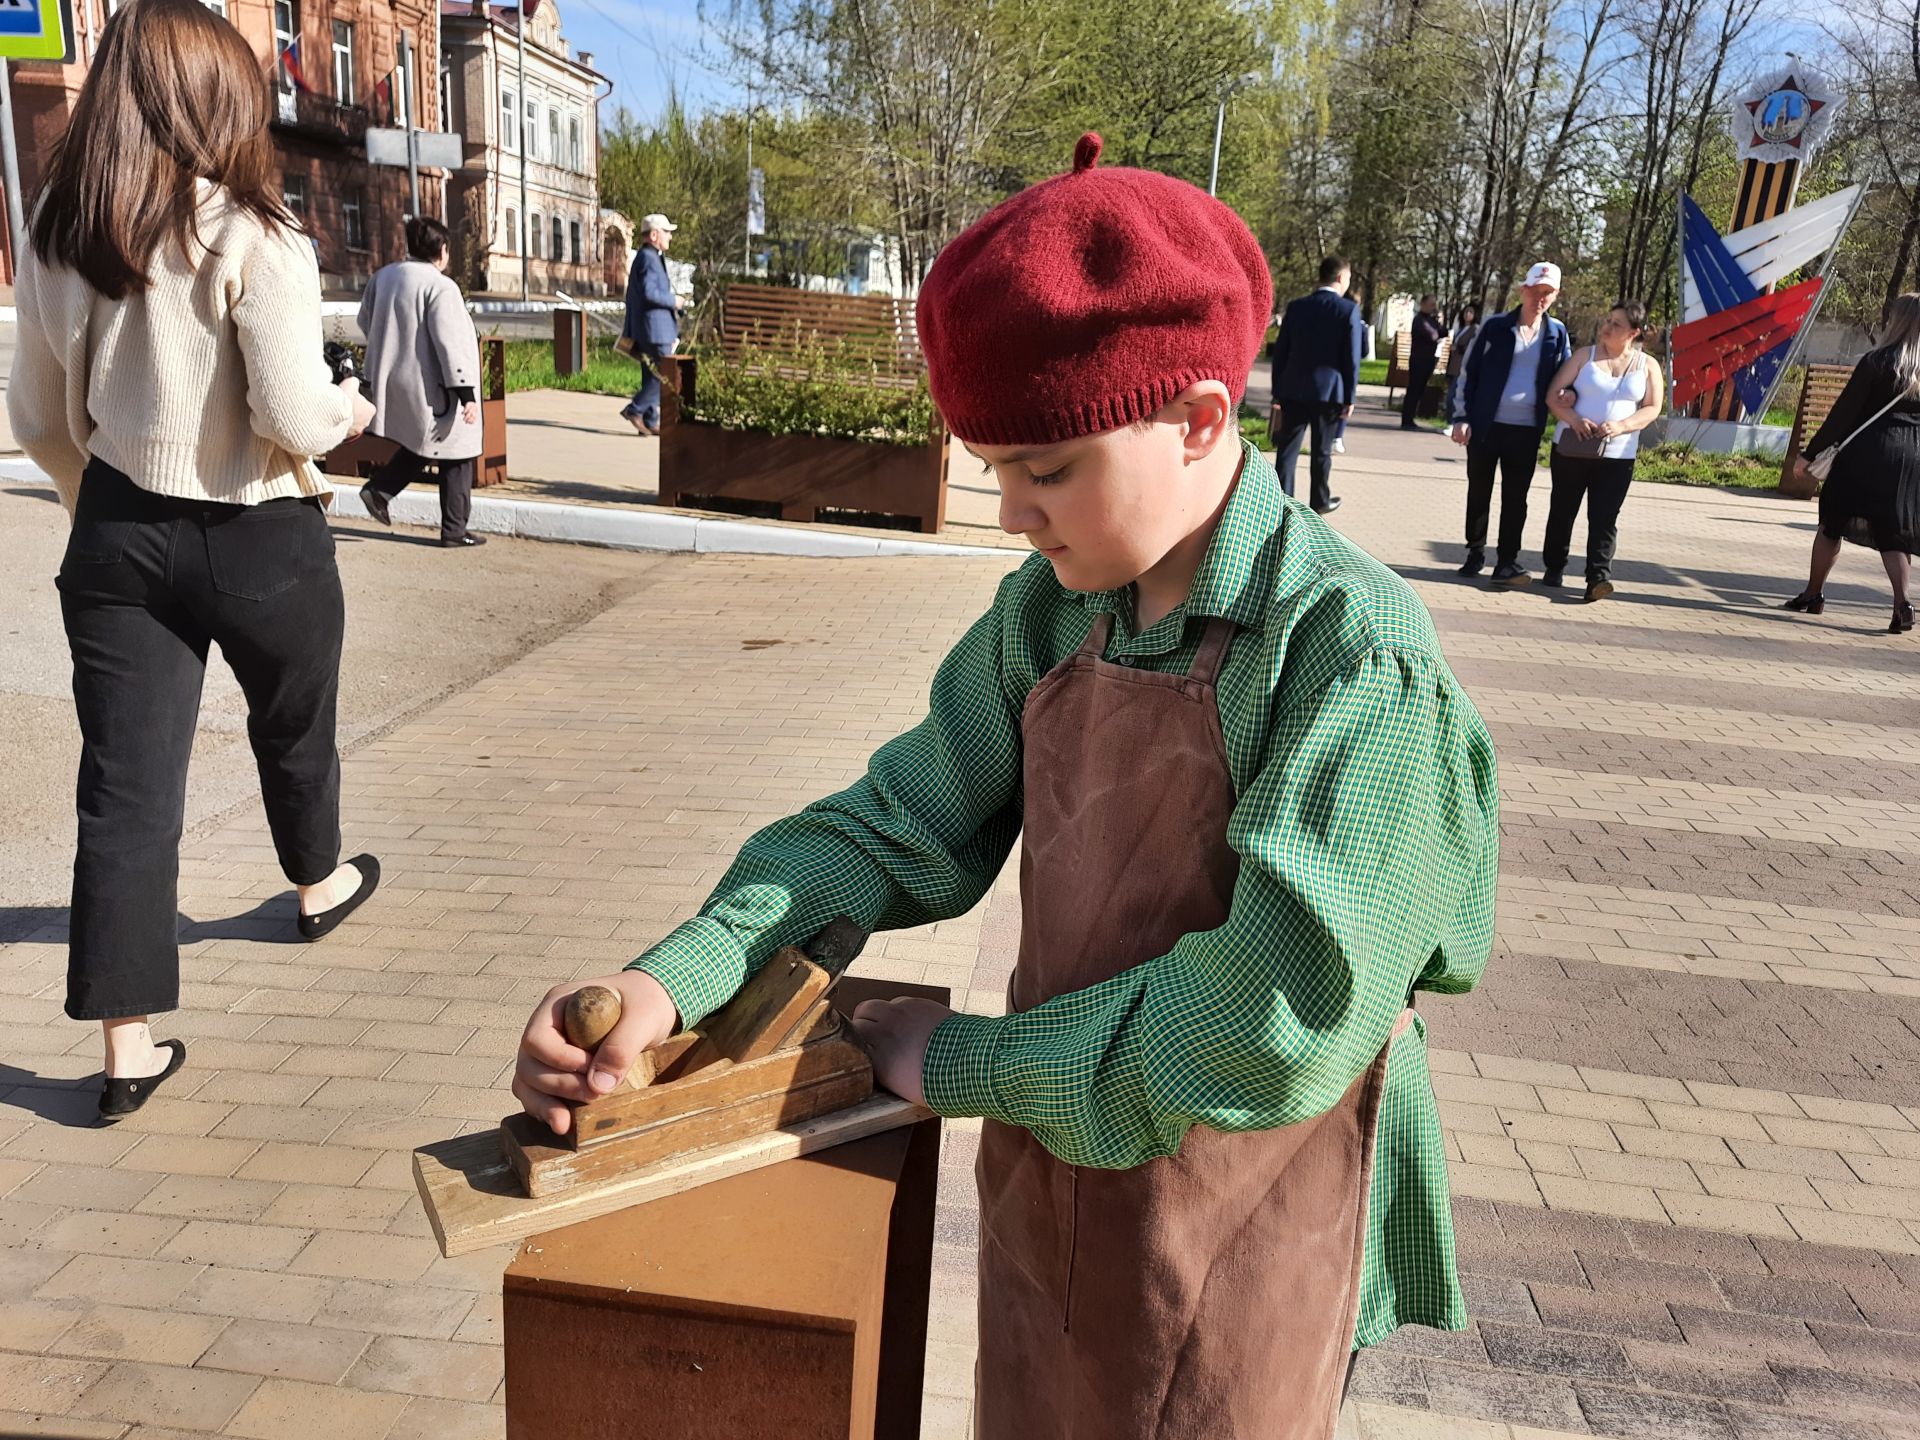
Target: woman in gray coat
{"x": 423, "y": 370}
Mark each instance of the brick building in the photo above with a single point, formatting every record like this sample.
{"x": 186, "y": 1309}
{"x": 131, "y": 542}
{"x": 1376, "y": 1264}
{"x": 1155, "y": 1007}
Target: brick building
{"x": 555, "y": 112}
{"x": 348, "y": 52}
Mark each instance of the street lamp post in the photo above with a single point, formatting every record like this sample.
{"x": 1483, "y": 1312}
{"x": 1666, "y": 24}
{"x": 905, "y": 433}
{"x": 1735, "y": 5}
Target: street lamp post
{"x": 1227, "y": 92}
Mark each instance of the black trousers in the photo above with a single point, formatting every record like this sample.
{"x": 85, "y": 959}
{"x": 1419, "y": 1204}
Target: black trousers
{"x": 1419, "y": 372}
{"x": 146, "y": 585}
{"x": 1514, "y": 450}
{"x": 1602, "y": 483}
{"x": 1300, "y": 419}
{"x": 456, "y": 486}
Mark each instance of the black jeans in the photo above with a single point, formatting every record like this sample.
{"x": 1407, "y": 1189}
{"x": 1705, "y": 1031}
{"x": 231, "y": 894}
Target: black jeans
{"x": 147, "y": 584}
{"x": 1298, "y": 419}
{"x": 1419, "y": 373}
{"x": 1515, "y": 451}
{"x": 456, "y": 486}
{"x": 1603, "y": 484}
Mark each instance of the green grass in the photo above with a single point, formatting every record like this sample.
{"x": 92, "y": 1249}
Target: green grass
{"x": 1373, "y": 372}
{"x": 608, "y": 372}
{"x": 1673, "y": 464}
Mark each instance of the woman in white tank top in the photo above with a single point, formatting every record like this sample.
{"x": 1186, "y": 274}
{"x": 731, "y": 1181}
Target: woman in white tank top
{"x": 1603, "y": 396}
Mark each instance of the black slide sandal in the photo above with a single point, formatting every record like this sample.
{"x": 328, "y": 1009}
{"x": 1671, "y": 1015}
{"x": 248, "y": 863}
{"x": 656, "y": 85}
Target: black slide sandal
{"x": 316, "y": 927}
{"x": 123, "y": 1097}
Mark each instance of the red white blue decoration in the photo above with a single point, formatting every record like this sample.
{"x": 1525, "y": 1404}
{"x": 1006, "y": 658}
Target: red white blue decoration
{"x": 1734, "y": 327}
{"x": 1783, "y": 116}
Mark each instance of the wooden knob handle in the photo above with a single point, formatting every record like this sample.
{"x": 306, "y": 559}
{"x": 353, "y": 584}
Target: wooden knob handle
{"x": 592, "y": 1012}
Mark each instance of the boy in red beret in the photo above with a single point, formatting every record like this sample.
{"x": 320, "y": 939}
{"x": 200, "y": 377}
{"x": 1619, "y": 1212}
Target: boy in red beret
{"x": 1258, "y": 814}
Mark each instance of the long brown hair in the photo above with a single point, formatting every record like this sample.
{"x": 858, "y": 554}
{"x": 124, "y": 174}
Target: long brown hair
{"x": 174, "y": 95}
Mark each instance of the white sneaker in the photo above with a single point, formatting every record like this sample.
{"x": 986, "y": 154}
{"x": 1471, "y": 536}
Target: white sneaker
{"x": 1339, "y": 447}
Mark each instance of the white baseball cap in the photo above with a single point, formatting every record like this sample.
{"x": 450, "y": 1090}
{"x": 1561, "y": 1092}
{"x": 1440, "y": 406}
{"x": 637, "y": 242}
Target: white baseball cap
{"x": 1545, "y": 273}
{"x": 660, "y": 222}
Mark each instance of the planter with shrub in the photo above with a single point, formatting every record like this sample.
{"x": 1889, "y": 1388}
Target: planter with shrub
{"x": 807, "y": 436}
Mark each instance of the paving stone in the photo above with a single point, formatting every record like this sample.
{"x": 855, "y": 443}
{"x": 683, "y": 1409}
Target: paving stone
{"x": 1512, "y": 1396}
{"x": 1633, "y": 1413}
{"x": 1652, "y": 1279}
{"x": 1828, "y": 1391}
{"x": 1755, "y": 1424}
{"x": 115, "y": 1332}
{"x": 1756, "y": 1337}
{"x": 1564, "y": 1308}
{"x": 295, "y": 1410}
{"x": 440, "y": 1368}
{"x": 1683, "y": 1370}
{"x": 1555, "y": 1352}
{"x": 1796, "y": 1296}
{"x": 166, "y": 1395}
{"x": 288, "y": 1351}
{"x": 44, "y": 1386}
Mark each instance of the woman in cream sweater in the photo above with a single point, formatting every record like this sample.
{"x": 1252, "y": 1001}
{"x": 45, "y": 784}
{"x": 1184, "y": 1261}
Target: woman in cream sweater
{"x": 169, "y": 378}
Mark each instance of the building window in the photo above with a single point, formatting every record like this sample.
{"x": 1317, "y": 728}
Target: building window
{"x": 559, "y": 251}
{"x": 353, "y": 217}
{"x": 293, "y": 194}
{"x": 343, "y": 62}
{"x": 554, "y": 152}
{"x": 575, "y": 150}
{"x": 533, "y": 130}
{"x": 218, "y": 7}
{"x": 513, "y": 231}
{"x": 509, "y": 122}
{"x": 533, "y": 236}
{"x": 574, "y": 231}
{"x": 286, "y": 29}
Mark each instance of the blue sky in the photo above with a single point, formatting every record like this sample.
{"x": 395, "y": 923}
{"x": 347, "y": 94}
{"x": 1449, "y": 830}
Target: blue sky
{"x": 643, "y": 47}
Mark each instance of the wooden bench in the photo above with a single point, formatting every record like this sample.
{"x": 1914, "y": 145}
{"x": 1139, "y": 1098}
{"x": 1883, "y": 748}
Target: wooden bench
{"x": 1818, "y": 391}
{"x": 1400, "y": 368}
{"x": 776, "y": 323}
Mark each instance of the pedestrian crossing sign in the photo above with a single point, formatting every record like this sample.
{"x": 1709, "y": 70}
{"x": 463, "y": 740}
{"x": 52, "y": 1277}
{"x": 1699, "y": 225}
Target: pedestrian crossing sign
{"x": 36, "y": 30}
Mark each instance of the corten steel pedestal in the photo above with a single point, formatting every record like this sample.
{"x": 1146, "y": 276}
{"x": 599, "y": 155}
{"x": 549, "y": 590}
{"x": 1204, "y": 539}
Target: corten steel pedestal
{"x": 788, "y": 1303}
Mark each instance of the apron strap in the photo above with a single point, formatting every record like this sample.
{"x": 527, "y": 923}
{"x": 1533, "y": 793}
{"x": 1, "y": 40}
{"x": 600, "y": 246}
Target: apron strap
{"x": 1098, "y": 634}
{"x": 1213, "y": 650}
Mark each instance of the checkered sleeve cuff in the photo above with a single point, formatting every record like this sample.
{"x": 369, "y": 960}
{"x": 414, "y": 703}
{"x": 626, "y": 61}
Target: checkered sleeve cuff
{"x": 700, "y": 965}
{"x": 957, "y": 1074}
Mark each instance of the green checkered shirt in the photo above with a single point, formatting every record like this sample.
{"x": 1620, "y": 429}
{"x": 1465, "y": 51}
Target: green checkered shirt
{"x": 1366, "y": 826}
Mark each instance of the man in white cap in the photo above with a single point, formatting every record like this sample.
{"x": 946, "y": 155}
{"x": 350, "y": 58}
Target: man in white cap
{"x": 653, "y": 320}
{"x": 1500, "y": 413}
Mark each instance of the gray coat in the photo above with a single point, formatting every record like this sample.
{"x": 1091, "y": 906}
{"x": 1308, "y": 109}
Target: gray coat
{"x": 420, "y": 347}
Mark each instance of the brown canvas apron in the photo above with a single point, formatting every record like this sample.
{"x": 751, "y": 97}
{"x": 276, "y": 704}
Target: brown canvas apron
{"x": 1208, "y": 1295}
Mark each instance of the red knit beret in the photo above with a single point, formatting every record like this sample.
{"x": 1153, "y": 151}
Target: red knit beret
{"x": 1087, "y": 302}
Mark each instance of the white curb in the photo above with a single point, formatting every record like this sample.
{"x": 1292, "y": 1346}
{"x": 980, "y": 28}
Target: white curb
{"x": 616, "y": 529}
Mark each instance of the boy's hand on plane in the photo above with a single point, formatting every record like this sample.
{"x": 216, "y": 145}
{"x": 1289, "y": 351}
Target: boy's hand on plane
{"x": 552, "y": 1070}
{"x": 895, "y": 1033}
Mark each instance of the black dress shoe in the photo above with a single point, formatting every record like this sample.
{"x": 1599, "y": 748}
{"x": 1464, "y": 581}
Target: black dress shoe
{"x": 1902, "y": 620}
{"x": 1807, "y": 604}
{"x": 1553, "y": 580}
{"x": 376, "y": 504}
{"x": 315, "y": 927}
{"x": 1476, "y": 562}
{"x": 463, "y": 540}
{"x": 1509, "y": 574}
{"x": 123, "y": 1097}
{"x": 1333, "y": 504}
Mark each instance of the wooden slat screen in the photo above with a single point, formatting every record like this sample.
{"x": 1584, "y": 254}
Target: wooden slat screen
{"x": 775, "y": 322}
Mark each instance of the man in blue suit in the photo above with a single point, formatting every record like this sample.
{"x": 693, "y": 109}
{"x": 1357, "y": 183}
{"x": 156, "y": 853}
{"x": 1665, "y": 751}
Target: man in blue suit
{"x": 1316, "y": 374}
{"x": 653, "y": 320}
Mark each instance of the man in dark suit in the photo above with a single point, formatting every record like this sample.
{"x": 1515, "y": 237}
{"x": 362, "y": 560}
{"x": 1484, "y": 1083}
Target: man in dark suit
{"x": 653, "y": 320}
{"x": 1422, "y": 355}
{"x": 1316, "y": 374}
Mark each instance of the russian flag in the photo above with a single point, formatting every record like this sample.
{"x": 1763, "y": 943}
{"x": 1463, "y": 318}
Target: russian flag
{"x": 290, "y": 66}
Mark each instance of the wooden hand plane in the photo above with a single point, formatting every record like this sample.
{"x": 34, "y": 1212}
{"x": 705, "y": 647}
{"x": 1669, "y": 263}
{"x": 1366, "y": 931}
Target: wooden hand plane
{"x": 773, "y": 1056}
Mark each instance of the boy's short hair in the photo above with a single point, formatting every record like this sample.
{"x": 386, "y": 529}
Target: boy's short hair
{"x": 1088, "y": 302}
{"x": 426, "y": 238}
{"x": 1333, "y": 267}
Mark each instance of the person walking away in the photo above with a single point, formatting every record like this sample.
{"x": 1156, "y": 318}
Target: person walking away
{"x": 1466, "y": 330}
{"x": 1422, "y": 356}
{"x": 1604, "y": 396}
{"x": 1871, "y": 496}
{"x": 423, "y": 372}
{"x": 1316, "y": 375}
{"x": 1256, "y": 812}
{"x": 168, "y": 376}
{"x": 652, "y": 327}
{"x": 1500, "y": 413}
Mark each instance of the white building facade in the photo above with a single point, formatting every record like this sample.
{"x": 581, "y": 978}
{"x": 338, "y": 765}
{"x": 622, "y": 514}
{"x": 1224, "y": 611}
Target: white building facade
{"x": 546, "y": 232}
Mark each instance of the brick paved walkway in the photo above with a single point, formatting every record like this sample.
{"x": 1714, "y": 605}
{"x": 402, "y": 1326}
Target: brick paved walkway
{"x": 1684, "y": 1110}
